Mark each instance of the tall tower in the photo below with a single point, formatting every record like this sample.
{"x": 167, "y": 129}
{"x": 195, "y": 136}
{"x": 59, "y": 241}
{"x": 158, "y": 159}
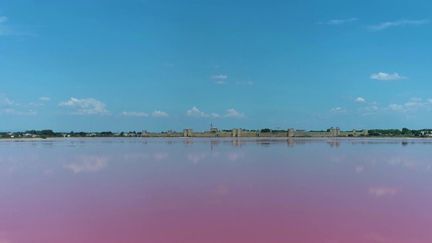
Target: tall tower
{"x": 236, "y": 132}
{"x": 291, "y": 132}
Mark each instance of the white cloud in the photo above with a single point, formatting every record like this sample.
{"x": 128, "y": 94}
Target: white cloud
{"x": 232, "y": 113}
{"x": 5, "y": 101}
{"x": 398, "y": 23}
{"x": 220, "y": 78}
{"x": 159, "y": 114}
{"x": 337, "y": 109}
{"x": 249, "y": 83}
{"x": 41, "y": 101}
{"x": 12, "y": 111}
{"x": 409, "y": 107}
{"x": 396, "y": 107}
{"x": 371, "y": 109}
{"x": 195, "y": 112}
{"x": 134, "y": 114}
{"x": 44, "y": 99}
{"x": 338, "y": 21}
{"x": 86, "y": 106}
{"x": 11, "y": 107}
{"x": 382, "y": 76}
{"x": 360, "y": 100}
{"x": 413, "y": 104}
{"x": 214, "y": 115}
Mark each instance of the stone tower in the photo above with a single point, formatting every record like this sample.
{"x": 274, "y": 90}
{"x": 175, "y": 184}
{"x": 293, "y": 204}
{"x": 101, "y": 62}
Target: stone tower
{"x": 187, "y": 132}
{"x": 291, "y": 132}
{"x": 236, "y": 132}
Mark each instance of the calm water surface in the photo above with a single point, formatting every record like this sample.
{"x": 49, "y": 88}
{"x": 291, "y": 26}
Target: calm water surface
{"x": 215, "y": 191}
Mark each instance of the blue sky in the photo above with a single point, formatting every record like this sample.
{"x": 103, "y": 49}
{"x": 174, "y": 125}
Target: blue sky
{"x": 158, "y": 64}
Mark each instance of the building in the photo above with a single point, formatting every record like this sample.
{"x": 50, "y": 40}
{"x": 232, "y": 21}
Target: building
{"x": 236, "y": 132}
{"x": 187, "y": 132}
{"x": 214, "y": 130}
{"x": 331, "y": 132}
{"x": 334, "y": 132}
{"x": 291, "y": 132}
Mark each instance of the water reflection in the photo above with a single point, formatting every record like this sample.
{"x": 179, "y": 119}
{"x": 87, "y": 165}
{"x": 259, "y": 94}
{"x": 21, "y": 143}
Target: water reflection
{"x": 196, "y": 157}
{"x": 334, "y": 143}
{"x": 215, "y": 190}
{"x": 383, "y": 191}
{"x": 234, "y": 156}
{"x": 87, "y": 164}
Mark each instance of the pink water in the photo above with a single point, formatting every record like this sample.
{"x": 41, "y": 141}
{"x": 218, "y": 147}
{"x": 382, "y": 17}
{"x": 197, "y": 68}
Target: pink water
{"x": 215, "y": 191}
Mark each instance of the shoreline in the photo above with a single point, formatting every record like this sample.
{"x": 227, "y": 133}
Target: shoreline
{"x": 217, "y": 138}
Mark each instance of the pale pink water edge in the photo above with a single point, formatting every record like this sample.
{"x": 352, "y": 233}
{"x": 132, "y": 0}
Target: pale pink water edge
{"x": 211, "y": 191}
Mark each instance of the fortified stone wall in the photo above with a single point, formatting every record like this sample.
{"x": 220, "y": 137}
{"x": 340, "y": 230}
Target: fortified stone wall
{"x": 333, "y": 132}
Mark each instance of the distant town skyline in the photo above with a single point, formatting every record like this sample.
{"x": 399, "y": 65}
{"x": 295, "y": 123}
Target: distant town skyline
{"x": 170, "y": 64}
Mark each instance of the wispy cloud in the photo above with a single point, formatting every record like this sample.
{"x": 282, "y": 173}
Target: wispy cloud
{"x": 86, "y": 106}
{"x": 3, "y": 19}
{"x": 44, "y": 99}
{"x": 229, "y": 113}
{"x": 382, "y": 76}
{"x": 337, "y": 110}
{"x": 11, "y": 107}
{"x": 366, "y": 107}
{"x": 249, "y": 83}
{"x": 370, "y": 109}
{"x": 360, "y": 100}
{"x": 134, "y": 114}
{"x": 338, "y": 21}
{"x": 41, "y": 101}
{"x": 13, "y": 111}
{"x": 195, "y": 112}
{"x": 160, "y": 114}
{"x": 7, "y": 29}
{"x": 4, "y": 30}
{"x": 219, "y": 78}
{"x": 412, "y": 105}
{"x": 5, "y": 101}
{"x": 410, "y": 108}
{"x": 233, "y": 113}
{"x": 398, "y": 23}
